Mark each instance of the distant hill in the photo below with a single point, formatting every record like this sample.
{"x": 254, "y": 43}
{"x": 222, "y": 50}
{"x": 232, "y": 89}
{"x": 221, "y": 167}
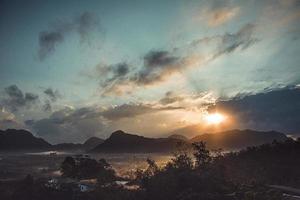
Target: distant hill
{"x": 67, "y": 147}
{"x": 238, "y": 139}
{"x": 89, "y": 144}
{"x": 22, "y": 140}
{"x": 92, "y": 142}
{"x": 188, "y": 131}
{"x": 179, "y": 137}
{"x": 16, "y": 140}
{"x": 121, "y": 142}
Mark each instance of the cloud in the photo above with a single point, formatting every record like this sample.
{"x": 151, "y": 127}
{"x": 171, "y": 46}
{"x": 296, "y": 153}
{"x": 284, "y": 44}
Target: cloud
{"x": 48, "y": 42}
{"x": 222, "y": 15}
{"x": 170, "y": 98}
{"x": 132, "y": 110}
{"x": 278, "y": 109}
{"x": 77, "y": 124}
{"x": 55, "y": 35}
{"x": 14, "y": 98}
{"x": 126, "y": 111}
{"x": 47, "y": 107}
{"x": 113, "y": 73}
{"x": 242, "y": 39}
{"x": 215, "y": 13}
{"x": 229, "y": 42}
{"x": 159, "y": 65}
{"x": 52, "y": 94}
{"x": 189, "y": 102}
{"x": 84, "y": 24}
{"x": 68, "y": 124}
{"x": 8, "y": 120}
{"x": 159, "y": 58}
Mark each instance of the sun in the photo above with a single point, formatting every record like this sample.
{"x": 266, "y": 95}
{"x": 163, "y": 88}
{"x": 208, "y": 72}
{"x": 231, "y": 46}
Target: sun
{"x": 215, "y": 118}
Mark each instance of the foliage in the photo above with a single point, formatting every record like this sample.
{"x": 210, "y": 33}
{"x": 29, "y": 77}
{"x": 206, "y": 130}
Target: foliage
{"x": 202, "y": 155}
{"x": 243, "y": 175}
{"x": 87, "y": 168}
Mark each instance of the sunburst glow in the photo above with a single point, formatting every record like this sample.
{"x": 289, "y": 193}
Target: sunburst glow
{"x": 215, "y": 118}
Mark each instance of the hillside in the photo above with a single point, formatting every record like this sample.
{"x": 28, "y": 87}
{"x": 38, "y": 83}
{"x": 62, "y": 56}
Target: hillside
{"x": 179, "y": 137}
{"x": 13, "y": 139}
{"x": 92, "y": 142}
{"x": 238, "y": 139}
{"x": 121, "y": 142}
{"x": 89, "y": 144}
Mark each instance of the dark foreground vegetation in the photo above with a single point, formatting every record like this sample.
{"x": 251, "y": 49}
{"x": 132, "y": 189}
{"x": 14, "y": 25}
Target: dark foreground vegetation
{"x": 244, "y": 175}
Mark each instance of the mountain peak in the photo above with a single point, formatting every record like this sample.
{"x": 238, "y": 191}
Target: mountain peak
{"x": 13, "y": 139}
{"x": 179, "y": 137}
{"x": 92, "y": 142}
{"x": 121, "y": 142}
{"x": 118, "y": 132}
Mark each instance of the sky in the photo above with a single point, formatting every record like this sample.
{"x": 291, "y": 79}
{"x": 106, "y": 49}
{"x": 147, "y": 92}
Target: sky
{"x": 70, "y": 70}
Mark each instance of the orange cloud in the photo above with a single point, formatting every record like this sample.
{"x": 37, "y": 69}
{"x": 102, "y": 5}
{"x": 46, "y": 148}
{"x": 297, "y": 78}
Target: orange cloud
{"x": 221, "y": 16}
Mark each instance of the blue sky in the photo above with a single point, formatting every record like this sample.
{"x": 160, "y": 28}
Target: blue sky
{"x": 125, "y": 56}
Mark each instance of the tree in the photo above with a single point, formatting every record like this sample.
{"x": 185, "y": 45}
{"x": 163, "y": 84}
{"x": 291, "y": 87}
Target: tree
{"x": 152, "y": 168}
{"x": 87, "y": 168}
{"x": 202, "y": 155}
{"x": 106, "y": 174}
{"x": 68, "y": 167}
{"x": 181, "y": 161}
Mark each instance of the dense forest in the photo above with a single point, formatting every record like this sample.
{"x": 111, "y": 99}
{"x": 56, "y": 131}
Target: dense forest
{"x": 202, "y": 174}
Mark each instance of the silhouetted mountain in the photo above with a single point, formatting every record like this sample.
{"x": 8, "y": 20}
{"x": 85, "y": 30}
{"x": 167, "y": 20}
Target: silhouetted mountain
{"x": 179, "y": 137}
{"x": 68, "y": 147}
{"x": 121, "y": 142}
{"x": 188, "y": 131}
{"x": 237, "y": 139}
{"x": 15, "y": 140}
{"x": 87, "y": 145}
{"x": 92, "y": 142}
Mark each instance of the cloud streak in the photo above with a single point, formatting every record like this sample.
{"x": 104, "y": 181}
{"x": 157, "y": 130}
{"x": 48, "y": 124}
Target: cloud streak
{"x": 55, "y": 35}
{"x": 52, "y": 94}
{"x": 159, "y": 65}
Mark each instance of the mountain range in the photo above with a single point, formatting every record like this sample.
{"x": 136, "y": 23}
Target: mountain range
{"x": 86, "y": 146}
{"x": 12, "y": 139}
{"x": 238, "y": 139}
{"x": 121, "y": 142}
{"x": 22, "y": 140}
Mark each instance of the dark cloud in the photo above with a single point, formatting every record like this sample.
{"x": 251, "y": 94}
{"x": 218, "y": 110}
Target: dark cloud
{"x": 242, "y": 39}
{"x": 49, "y": 39}
{"x": 229, "y": 42}
{"x": 159, "y": 58}
{"x": 126, "y": 110}
{"x": 276, "y": 109}
{"x": 72, "y": 125}
{"x": 116, "y": 72}
{"x": 84, "y": 24}
{"x": 14, "y": 98}
{"x": 132, "y": 110}
{"x": 160, "y": 65}
{"x": 52, "y": 94}
{"x": 76, "y": 125}
{"x": 170, "y": 98}
{"x": 47, "y": 106}
{"x": 157, "y": 65}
